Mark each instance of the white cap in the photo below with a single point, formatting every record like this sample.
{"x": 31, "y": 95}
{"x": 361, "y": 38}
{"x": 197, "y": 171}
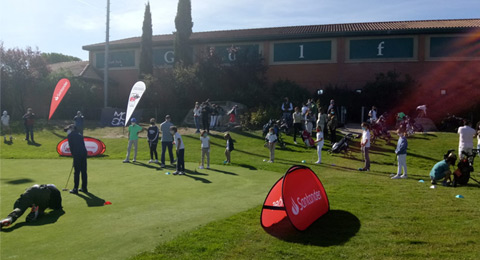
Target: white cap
{"x": 5, "y": 112}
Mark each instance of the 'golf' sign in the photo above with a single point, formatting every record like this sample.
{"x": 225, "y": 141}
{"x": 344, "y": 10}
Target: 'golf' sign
{"x": 298, "y": 196}
{"x": 94, "y": 147}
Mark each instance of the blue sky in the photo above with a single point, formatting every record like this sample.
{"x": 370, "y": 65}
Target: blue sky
{"x": 64, "y": 26}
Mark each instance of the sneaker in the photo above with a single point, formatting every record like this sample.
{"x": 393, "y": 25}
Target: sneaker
{"x": 181, "y": 173}
{"x": 361, "y": 169}
{"x": 5, "y": 222}
{"x": 162, "y": 165}
{"x": 225, "y": 162}
{"x": 295, "y": 142}
{"x": 396, "y": 177}
{"x": 151, "y": 161}
{"x": 173, "y": 162}
{"x": 270, "y": 161}
{"x": 318, "y": 162}
{"x": 208, "y": 167}
{"x": 433, "y": 182}
{"x": 156, "y": 161}
{"x": 201, "y": 168}
{"x": 446, "y": 183}
{"x": 83, "y": 190}
{"x": 134, "y": 160}
{"x": 33, "y": 214}
{"x": 404, "y": 176}
{"x": 393, "y": 174}
{"x": 74, "y": 191}
{"x": 175, "y": 173}
{"x": 126, "y": 161}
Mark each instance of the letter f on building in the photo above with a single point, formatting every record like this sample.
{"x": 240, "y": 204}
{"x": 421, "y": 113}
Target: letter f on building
{"x": 380, "y": 48}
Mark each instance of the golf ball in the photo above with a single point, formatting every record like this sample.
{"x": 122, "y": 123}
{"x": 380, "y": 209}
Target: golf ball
{"x": 264, "y": 160}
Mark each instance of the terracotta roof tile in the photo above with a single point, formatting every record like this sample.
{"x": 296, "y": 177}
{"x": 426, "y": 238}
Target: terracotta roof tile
{"x": 305, "y": 31}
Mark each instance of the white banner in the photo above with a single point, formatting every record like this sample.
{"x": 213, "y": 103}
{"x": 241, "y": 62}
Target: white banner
{"x": 135, "y": 95}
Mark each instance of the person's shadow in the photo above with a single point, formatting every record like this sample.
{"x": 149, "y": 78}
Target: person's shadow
{"x": 91, "y": 199}
{"x": 334, "y": 228}
{"x": 47, "y": 218}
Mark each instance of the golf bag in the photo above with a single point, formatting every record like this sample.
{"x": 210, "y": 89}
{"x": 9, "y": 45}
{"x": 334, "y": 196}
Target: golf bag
{"x": 379, "y": 130}
{"x": 342, "y": 145}
{"x": 307, "y": 139}
{"x": 465, "y": 167}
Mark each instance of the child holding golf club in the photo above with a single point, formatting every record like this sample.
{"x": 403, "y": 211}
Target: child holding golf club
{"x": 79, "y": 154}
{"x": 133, "y": 131}
{"x": 152, "y": 137}
{"x": 177, "y": 139}
{"x": 205, "y": 140}
{"x": 229, "y": 148}
{"x": 319, "y": 142}
{"x": 271, "y": 139}
{"x": 401, "y": 153}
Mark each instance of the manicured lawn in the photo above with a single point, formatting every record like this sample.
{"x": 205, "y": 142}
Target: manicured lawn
{"x": 215, "y": 214}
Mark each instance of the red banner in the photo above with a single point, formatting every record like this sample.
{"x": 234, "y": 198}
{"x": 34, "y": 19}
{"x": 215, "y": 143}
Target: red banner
{"x": 298, "y": 196}
{"x": 94, "y": 147}
{"x": 60, "y": 90}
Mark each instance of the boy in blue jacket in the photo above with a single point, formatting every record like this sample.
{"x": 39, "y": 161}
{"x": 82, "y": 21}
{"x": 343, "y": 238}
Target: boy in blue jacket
{"x": 401, "y": 153}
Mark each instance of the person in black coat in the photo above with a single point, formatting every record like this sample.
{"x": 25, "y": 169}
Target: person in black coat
{"x": 79, "y": 153}
{"x": 39, "y": 197}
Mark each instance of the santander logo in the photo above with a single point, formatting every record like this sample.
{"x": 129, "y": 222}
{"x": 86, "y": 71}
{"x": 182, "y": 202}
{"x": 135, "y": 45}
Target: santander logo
{"x": 306, "y": 201}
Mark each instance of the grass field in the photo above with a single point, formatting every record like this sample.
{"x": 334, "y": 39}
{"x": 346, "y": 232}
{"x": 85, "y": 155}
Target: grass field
{"x": 214, "y": 214}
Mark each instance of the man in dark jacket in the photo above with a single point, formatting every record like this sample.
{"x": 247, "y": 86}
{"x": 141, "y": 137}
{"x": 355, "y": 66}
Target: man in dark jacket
{"x": 28, "y": 121}
{"x": 79, "y": 153}
{"x": 39, "y": 197}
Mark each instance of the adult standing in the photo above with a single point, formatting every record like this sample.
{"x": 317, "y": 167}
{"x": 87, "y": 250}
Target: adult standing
{"x": 297, "y": 124}
{"x": 332, "y": 127}
{"x": 220, "y": 113}
{"x": 79, "y": 153}
{"x": 331, "y": 107}
{"x": 28, "y": 122}
{"x": 465, "y": 142}
{"x": 78, "y": 122}
{"x": 373, "y": 115}
{"x": 206, "y": 110}
{"x": 322, "y": 119}
{"x": 152, "y": 136}
{"x": 287, "y": 109}
{"x": 309, "y": 121}
{"x": 133, "y": 131}
{"x": 213, "y": 116}
{"x": 6, "y": 126}
{"x": 197, "y": 112}
{"x": 167, "y": 140}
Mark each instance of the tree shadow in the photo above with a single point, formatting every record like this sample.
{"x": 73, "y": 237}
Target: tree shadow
{"x": 335, "y": 228}
{"x": 91, "y": 199}
{"x": 47, "y": 218}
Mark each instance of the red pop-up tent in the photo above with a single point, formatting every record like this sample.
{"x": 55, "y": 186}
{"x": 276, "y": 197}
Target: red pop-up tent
{"x": 298, "y": 196}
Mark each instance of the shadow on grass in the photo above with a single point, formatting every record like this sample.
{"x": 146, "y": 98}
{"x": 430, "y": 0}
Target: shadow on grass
{"x": 335, "y": 228}
{"x": 8, "y": 142}
{"x": 34, "y": 144}
{"x": 19, "y": 181}
{"x": 91, "y": 199}
{"x": 194, "y": 175}
{"x": 147, "y": 165}
{"x": 224, "y": 172}
{"x": 48, "y": 218}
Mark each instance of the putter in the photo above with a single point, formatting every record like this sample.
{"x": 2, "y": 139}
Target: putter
{"x": 66, "y": 184}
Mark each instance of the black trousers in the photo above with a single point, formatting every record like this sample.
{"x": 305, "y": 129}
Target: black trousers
{"x": 205, "y": 123}
{"x": 153, "y": 150}
{"x": 166, "y": 145}
{"x": 80, "y": 166}
{"x": 29, "y": 131}
{"x": 333, "y": 135}
{"x": 181, "y": 160}
{"x": 297, "y": 128}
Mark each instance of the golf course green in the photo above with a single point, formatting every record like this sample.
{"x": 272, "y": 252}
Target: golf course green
{"x": 214, "y": 214}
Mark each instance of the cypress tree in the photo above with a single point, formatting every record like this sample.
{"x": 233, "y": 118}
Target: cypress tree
{"x": 183, "y": 25}
{"x": 146, "y": 50}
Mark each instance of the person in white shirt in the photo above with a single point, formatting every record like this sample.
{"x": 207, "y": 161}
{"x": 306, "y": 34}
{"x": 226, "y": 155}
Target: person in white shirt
{"x": 373, "y": 115}
{"x": 365, "y": 146}
{"x": 319, "y": 143}
{"x": 6, "y": 126}
{"x": 180, "y": 151}
{"x": 271, "y": 140}
{"x": 478, "y": 137}
{"x": 197, "y": 112}
{"x": 465, "y": 142}
{"x": 205, "y": 149}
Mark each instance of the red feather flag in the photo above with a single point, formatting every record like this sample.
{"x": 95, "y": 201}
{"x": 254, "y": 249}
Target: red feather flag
{"x": 60, "y": 90}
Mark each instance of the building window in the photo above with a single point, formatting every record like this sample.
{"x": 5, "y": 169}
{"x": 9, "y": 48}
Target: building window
{"x": 382, "y": 49}
{"x": 319, "y": 51}
{"x": 454, "y": 47}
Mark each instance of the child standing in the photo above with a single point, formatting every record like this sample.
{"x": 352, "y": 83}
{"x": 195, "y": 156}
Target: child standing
{"x": 229, "y": 148}
{"x": 205, "y": 149}
{"x": 152, "y": 137}
{"x": 365, "y": 145}
{"x": 180, "y": 151}
{"x": 133, "y": 131}
{"x": 6, "y": 126}
{"x": 319, "y": 143}
{"x": 401, "y": 152}
{"x": 271, "y": 140}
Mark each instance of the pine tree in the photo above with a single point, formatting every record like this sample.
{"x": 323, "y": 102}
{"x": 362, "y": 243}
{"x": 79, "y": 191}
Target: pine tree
{"x": 184, "y": 25}
{"x": 146, "y": 51}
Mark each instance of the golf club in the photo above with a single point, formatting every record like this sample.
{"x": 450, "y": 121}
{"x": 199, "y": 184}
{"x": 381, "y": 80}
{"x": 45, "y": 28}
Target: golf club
{"x": 66, "y": 184}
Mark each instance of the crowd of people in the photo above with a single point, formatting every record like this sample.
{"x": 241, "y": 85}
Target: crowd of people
{"x": 209, "y": 116}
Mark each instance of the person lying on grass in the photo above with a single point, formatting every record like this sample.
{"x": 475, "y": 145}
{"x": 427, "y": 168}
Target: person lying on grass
{"x": 441, "y": 170}
{"x": 39, "y": 197}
